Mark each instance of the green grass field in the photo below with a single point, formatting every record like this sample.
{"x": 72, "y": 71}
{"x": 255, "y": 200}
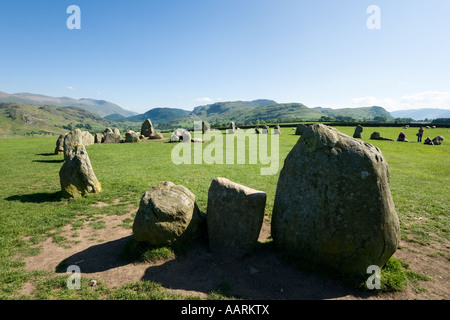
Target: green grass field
{"x": 31, "y": 210}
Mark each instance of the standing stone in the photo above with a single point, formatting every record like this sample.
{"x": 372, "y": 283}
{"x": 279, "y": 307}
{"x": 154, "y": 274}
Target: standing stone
{"x": 234, "y": 217}
{"x": 87, "y": 138}
{"x": 147, "y": 128}
{"x": 131, "y": 137}
{"x": 358, "y": 132}
{"x": 265, "y": 129}
{"x": 98, "y": 138}
{"x": 333, "y": 203}
{"x": 205, "y": 126}
{"x": 59, "y": 149}
{"x": 300, "y": 128}
{"x": 277, "y": 129}
{"x": 71, "y": 140}
{"x": 232, "y": 128}
{"x": 168, "y": 213}
{"x": 77, "y": 177}
{"x": 438, "y": 140}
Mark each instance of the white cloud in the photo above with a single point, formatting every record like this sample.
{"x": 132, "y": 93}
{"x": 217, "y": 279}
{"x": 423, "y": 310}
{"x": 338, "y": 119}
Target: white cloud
{"x": 428, "y": 99}
{"x": 204, "y": 100}
{"x": 70, "y": 88}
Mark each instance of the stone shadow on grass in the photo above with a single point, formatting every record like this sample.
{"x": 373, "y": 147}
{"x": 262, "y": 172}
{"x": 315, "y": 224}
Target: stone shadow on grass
{"x": 262, "y": 276}
{"x": 36, "y": 197}
{"x": 49, "y": 161}
{"x": 97, "y": 258}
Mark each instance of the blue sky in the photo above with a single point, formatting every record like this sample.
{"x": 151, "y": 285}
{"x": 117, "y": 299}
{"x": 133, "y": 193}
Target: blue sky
{"x": 184, "y": 53}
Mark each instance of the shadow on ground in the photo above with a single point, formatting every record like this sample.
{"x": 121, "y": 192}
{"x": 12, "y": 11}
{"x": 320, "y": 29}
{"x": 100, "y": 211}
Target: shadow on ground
{"x": 262, "y": 276}
{"x": 36, "y": 197}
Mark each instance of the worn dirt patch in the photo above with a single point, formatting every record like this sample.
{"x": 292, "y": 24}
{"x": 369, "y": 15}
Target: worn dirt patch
{"x": 262, "y": 276}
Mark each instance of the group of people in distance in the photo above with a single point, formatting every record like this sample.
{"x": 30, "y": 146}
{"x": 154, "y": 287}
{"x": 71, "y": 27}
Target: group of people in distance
{"x": 402, "y": 137}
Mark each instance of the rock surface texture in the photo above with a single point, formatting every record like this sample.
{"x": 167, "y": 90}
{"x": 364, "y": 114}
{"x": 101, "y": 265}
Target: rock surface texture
{"x": 234, "y": 218}
{"x": 168, "y": 213}
{"x": 333, "y": 203}
{"x": 77, "y": 178}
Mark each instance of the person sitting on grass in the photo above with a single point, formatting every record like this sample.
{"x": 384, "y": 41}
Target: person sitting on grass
{"x": 428, "y": 141}
{"x": 401, "y": 137}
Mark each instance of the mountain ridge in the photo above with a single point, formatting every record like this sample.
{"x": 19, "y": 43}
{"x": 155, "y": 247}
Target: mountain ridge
{"x": 101, "y": 107}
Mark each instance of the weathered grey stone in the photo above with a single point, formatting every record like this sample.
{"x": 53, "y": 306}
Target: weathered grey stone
{"x": 59, "y": 149}
{"x": 232, "y": 128}
{"x": 112, "y": 137}
{"x": 87, "y": 138}
{"x": 168, "y": 213}
{"x": 181, "y": 135}
{"x": 234, "y": 218}
{"x": 438, "y": 140}
{"x": 300, "y": 128}
{"x": 131, "y": 137}
{"x": 147, "y": 128}
{"x": 76, "y": 175}
{"x": 358, "y": 132}
{"x": 333, "y": 203}
{"x": 116, "y": 131}
{"x": 98, "y": 138}
{"x": 376, "y": 136}
{"x": 156, "y": 136}
{"x": 72, "y": 139}
{"x": 205, "y": 126}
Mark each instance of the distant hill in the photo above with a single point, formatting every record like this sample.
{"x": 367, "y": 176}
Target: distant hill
{"x": 19, "y": 119}
{"x": 158, "y": 115}
{"x": 368, "y": 113}
{"x": 101, "y": 107}
{"x": 263, "y": 110}
{"x": 422, "y": 114}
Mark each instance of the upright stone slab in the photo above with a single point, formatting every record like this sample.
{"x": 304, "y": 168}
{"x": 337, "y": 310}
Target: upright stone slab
{"x": 77, "y": 178}
{"x": 147, "y": 128}
{"x": 71, "y": 140}
{"x": 333, "y": 203}
{"x": 205, "y": 126}
{"x": 168, "y": 213}
{"x": 358, "y": 132}
{"x": 299, "y": 130}
{"x": 234, "y": 218}
{"x": 59, "y": 149}
{"x": 87, "y": 138}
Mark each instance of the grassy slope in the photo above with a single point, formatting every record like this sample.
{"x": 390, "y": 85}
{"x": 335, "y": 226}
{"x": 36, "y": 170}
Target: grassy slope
{"x": 30, "y": 209}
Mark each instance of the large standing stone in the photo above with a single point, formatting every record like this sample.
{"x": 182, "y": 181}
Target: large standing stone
{"x": 147, "y": 128}
{"x": 59, "y": 149}
{"x": 333, "y": 203}
{"x": 77, "y": 177}
{"x": 168, "y": 213}
{"x": 438, "y": 140}
{"x": 71, "y": 140}
{"x": 358, "y": 132}
{"x": 234, "y": 217}
{"x": 232, "y": 128}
